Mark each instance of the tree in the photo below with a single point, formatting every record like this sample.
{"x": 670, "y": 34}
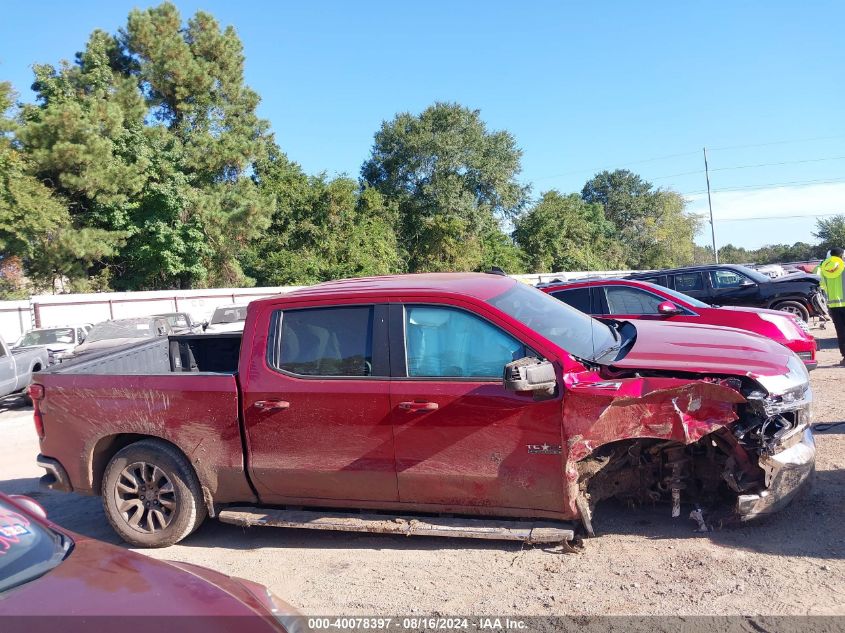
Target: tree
{"x": 830, "y": 232}
{"x": 650, "y": 224}
{"x": 450, "y": 179}
{"x": 151, "y": 138}
{"x": 563, "y": 232}
{"x": 320, "y": 229}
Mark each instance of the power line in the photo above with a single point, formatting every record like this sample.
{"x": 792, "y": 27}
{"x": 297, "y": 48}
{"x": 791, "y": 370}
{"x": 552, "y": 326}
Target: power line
{"x": 781, "y": 217}
{"x": 794, "y": 183}
{"x": 804, "y": 140}
{"x": 786, "y": 162}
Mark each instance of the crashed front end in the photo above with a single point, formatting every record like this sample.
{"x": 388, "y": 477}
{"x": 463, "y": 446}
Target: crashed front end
{"x": 729, "y": 448}
{"x": 775, "y": 426}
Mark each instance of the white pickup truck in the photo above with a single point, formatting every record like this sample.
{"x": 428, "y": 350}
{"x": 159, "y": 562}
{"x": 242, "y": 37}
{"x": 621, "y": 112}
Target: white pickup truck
{"x": 17, "y": 365}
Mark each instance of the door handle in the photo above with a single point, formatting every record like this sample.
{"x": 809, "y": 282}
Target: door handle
{"x": 418, "y": 406}
{"x": 270, "y": 405}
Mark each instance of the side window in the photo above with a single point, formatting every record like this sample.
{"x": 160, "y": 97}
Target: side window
{"x": 578, "y": 298}
{"x": 727, "y": 279}
{"x": 689, "y": 282}
{"x": 451, "y": 343}
{"x": 2, "y": 350}
{"x": 323, "y": 341}
{"x": 624, "y": 300}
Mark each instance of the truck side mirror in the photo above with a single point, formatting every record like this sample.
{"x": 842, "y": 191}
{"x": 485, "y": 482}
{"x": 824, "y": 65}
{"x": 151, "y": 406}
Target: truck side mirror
{"x": 530, "y": 374}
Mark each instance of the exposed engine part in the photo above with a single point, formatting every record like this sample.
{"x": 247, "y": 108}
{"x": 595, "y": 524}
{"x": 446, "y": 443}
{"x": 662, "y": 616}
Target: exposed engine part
{"x": 675, "y": 481}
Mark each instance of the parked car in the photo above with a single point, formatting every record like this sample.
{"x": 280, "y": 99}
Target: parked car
{"x": 18, "y": 365}
{"x": 227, "y": 319}
{"x": 46, "y": 570}
{"x": 629, "y": 299}
{"x": 730, "y": 285}
{"x": 473, "y": 395}
{"x": 180, "y": 322}
{"x": 120, "y": 332}
{"x": 57, "y": 340}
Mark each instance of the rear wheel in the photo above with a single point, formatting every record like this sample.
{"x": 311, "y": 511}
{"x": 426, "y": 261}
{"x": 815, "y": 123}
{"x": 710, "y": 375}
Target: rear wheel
{"x": 151, "y": 494}
{"x": 796, "y": 308}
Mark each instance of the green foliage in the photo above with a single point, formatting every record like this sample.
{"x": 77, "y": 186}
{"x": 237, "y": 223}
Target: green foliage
{"x": 831, "y": 233}
{"x": 451, "y": 179}
{"x": 650, "y": 224}
{"x": 563, "y": 232}
{"x": 320, "y": 229}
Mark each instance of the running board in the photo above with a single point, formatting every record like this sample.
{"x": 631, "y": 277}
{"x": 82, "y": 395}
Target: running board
{"x": 495, "y": 529}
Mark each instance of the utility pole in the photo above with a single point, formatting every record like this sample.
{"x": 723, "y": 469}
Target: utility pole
{"x": 710, "y": 204}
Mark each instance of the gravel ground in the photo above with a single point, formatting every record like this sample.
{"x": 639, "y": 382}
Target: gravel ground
{"x": 643, "y": 562}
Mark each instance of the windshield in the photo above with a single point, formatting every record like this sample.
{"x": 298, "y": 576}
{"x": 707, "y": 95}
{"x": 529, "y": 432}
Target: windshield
{"x": 760, "y": 278}
{"x": 47, "y": 337}
{"x": 577, "y": 333}
{"x": 27, "y": 549}
{"x": 229, "y": 315}
{"x": 680, "y": 296}
{"x": 120, "y": 329}
{"x": 176, "y": 320}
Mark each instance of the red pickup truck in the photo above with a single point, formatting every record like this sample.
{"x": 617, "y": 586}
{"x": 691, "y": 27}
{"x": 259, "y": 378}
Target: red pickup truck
{"x": 459, "y": 404}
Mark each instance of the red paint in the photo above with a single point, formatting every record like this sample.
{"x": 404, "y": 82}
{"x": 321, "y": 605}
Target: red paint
{"x": 349, "y": 442}
{"x": 99, "y": 579}
{"x": 747, "y": 319}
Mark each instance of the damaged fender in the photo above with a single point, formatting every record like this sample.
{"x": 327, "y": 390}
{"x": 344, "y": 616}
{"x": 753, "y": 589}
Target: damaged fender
{"x": 597, "y": 412}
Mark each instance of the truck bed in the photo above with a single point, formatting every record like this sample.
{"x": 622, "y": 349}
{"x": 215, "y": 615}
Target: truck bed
{"x": 182, "y": 389}
{"x": 187, "y": 353}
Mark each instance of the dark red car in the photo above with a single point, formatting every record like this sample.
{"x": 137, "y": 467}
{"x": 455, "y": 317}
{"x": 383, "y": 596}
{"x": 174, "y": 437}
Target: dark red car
{"x": 46, "y": 571}
{"x": 628, "y": 299}
{"x": 472, "y": 395}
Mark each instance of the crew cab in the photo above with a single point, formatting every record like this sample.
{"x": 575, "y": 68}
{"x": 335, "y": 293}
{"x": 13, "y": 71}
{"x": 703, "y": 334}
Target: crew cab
{"x": 628, "y": 299}
{"x": 730, "y": 285}
{"x": 413, "y": 397}
{"x": 18, "y": 365}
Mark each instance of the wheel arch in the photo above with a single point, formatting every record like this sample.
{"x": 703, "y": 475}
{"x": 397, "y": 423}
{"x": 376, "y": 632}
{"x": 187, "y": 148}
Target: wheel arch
{"x": 109, "y": 445}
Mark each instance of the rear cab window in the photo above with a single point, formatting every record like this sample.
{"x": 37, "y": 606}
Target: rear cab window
{"x": 326, "y": 342}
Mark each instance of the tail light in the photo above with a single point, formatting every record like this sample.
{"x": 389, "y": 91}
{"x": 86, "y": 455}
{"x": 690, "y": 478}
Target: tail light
{"x": 36, "y": 394}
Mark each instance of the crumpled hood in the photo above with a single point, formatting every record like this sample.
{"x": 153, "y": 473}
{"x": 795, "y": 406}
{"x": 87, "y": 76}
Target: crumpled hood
{"x": 704, "y": 349}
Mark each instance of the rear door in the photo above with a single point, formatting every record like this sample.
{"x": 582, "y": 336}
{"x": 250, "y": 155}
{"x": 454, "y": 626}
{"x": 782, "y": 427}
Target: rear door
{"x": 317, "y": 405}
{"x": 461, "y": 439}
{"x": 693, "y": 284}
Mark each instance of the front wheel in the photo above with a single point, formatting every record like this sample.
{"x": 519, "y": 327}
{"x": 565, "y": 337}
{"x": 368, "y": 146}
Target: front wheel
{"x": 151, "y": 494}
{"x": 793, "y": 307}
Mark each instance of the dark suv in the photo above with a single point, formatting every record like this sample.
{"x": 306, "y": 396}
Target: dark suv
{"x": 731, "y": 285}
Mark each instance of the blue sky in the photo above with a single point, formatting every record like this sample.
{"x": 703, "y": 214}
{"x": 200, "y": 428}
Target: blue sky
{"x": 583, "y": 87}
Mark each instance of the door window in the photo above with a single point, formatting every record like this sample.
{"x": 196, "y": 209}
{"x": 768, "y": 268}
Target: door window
{"x": 624, "y": 300}
{"x": 727, "y": 279}
{"x": 448, "y": 342}
{"x": 578, "y": 298}
{"x": 323, "y": 341}
{"x": 689, "y": 282}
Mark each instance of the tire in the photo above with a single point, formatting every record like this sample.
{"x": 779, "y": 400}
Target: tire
{"x": 151, "y": 494}
{"x": 796, "y": 308}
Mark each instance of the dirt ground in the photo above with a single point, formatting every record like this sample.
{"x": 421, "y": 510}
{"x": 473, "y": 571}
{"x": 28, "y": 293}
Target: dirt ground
{"x": 643, "y": 562}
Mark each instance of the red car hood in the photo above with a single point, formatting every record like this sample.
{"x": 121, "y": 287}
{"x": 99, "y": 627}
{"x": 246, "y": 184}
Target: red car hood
{"x": 704, "y": 349}
{"x": 98, "y": 579}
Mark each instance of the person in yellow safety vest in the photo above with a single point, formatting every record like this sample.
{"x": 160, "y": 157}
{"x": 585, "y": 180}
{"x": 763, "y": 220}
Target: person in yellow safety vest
{"x": 831, "y": 270}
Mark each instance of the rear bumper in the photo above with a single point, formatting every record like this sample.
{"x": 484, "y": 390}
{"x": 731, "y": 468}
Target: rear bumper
{"x": 56, "y": 477}
{"x": 788, "y": 473}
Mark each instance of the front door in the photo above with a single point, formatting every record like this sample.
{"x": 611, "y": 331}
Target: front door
{"x": 317, "y": 411}
{"x": 461, "y": 439}
{"x": 732, "y": 288}
{"x": 8, "y": 379}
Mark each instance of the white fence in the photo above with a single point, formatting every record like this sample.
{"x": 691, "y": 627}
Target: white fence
{"x": 16, "y": 317}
